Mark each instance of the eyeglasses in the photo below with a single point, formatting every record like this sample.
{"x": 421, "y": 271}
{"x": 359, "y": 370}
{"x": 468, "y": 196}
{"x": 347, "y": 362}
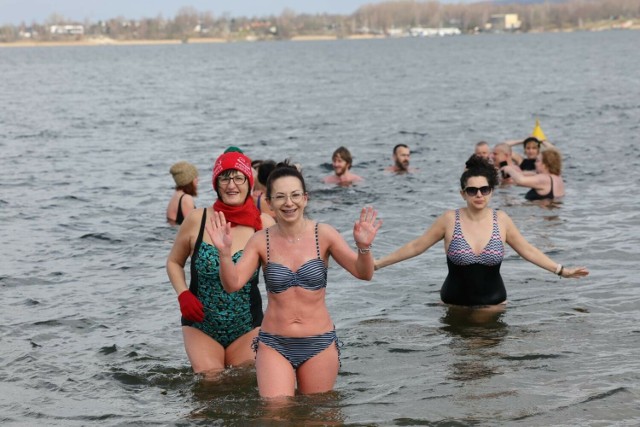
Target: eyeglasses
{"x": 296, "y": 197}
{"x": 472, "y": 191}
{"x": 237, "y": 180}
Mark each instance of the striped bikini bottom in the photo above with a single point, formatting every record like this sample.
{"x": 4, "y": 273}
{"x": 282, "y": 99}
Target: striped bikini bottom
{"x": 298, "y": 350}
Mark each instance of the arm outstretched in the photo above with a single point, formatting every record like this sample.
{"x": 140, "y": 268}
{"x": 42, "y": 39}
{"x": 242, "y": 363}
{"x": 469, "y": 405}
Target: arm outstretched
{"x": 535, "y": 256}
{"x": 416, "y": 246}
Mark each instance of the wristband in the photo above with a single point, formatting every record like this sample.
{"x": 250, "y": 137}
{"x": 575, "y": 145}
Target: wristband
{"x": 364, "y": 250}
{"x": 558, "y": 269}
{"x": 561, "y": 270}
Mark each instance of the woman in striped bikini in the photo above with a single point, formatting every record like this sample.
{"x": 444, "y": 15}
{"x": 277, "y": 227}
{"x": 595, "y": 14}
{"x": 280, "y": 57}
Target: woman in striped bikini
{"x": 297, "y": 344}
{"x": 474, "y": 238}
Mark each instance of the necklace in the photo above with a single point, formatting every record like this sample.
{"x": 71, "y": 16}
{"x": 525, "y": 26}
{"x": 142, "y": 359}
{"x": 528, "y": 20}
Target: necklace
{"x": 293, "y": 239}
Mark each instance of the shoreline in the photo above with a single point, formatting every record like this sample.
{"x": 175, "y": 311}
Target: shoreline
{"x": 106, "y": 41}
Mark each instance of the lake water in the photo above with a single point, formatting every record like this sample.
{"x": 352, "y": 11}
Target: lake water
{"x": 89, "y": 323}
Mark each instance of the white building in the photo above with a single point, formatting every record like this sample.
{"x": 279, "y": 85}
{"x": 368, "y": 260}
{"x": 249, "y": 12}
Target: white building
{"x": 433, "y": 32}
{"x": 67, "y": 30}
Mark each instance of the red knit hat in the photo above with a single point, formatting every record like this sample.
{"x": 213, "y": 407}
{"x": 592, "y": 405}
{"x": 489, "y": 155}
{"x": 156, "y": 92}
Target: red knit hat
{"x": 232, "y": 158}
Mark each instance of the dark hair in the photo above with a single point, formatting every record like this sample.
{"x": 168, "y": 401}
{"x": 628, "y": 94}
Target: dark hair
{"x": 256, "y": 163}
{"x": 281, "y": 170}
{"x": 531, "y": 139}
{"x": 344, "y": 154}
{"x": 478, "y": 166}
{"x": 395, "y": 149}
{"x": 264, "y": 169}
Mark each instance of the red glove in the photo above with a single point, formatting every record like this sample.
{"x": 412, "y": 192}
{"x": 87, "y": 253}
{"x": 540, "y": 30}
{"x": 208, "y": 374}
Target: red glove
{"x": 191, "y": 307}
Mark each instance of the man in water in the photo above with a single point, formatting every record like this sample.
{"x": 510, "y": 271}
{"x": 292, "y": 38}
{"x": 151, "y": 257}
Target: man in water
{"x": 341, "y": 161}
{"x": 502, "y": 156}
{"x": 482, "y": 150}
{"x": 401, "y": 155}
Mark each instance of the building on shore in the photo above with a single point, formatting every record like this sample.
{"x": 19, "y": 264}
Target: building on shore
{"x": 504, "y": 22}
{"x": 67, "y": 30}
{"x": 434, "y": 32}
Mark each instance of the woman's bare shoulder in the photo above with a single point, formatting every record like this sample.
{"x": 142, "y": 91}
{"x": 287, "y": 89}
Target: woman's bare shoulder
{"x": 267, "y": 220}
{"x": 448, "y": 215}
{"x": 326, "y": 230}
{"x": 194, "y": 217}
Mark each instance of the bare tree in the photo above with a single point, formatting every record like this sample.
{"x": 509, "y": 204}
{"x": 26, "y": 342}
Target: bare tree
{"x": 375, "y": 17}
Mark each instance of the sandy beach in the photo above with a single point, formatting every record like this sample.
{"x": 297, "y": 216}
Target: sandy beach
{"x": 106, "y": 41}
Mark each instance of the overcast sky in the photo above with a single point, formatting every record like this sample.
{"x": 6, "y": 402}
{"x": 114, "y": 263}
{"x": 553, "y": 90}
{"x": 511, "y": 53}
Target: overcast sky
{"x": 27, "y": 11}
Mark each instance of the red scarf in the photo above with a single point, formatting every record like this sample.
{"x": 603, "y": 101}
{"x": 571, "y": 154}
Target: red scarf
{"x": 246, "y": 214}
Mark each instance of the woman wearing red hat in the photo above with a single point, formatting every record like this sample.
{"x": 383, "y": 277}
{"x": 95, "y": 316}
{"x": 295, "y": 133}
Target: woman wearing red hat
{"x": 218, "y": 327}
{"x": 297, "y": 346}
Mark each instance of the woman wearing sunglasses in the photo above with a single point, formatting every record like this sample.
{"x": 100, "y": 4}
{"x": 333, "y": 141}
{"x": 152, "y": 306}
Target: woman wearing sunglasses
{"x": 474, "y": 238}
{"x": 218, "y": 327}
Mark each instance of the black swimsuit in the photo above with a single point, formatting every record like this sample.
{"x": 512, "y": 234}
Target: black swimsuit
{"x": 227, "y": 316}
{"x": 474, "y": 279}
{"x": 528, "y": 165}
{"x": 180, "y": 215}
{"x": 534, "y": 195}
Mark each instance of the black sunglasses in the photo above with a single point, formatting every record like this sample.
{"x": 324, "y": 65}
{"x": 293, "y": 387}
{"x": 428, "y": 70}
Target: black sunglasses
{"x": 472, "y": 191}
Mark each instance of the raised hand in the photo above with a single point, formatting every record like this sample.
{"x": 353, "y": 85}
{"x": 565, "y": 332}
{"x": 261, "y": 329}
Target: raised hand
{"x": 219, "y": 231}
{"x": 366, "y": 228}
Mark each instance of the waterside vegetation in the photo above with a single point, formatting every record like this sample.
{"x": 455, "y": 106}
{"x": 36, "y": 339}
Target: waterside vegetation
{"x": 383, "y": 19}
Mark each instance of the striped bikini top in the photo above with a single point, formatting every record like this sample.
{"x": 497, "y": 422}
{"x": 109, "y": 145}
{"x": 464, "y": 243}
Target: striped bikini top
{"x": 460, "y": 252}
{"x": 312, "y": 275}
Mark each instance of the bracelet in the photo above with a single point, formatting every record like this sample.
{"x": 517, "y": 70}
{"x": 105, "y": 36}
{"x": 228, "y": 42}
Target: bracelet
{"x": 364, "y": 250}
{"x": 558, "y": 269}
{"x": 561, "y": 270}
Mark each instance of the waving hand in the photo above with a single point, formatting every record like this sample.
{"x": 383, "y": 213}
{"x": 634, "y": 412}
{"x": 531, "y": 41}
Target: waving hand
{"x": 366, "y": 228}
{"x": 219, "y": 231}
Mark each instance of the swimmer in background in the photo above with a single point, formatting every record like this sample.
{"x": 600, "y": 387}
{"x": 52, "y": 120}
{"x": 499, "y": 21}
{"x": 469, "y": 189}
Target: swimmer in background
{"x": 341, "y": 161}
{"x": 401, "y": 157}
{"x": 260, "y": 187}
{"x": 547, "y": 183}
{"x": 532, "y": 148}
{"x": 500, "y": 157}
{"x": 185, "y": 175}
{"x": 483, "y": 150}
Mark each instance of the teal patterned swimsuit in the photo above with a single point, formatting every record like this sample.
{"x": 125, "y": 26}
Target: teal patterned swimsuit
{"x": 227, "y": 316}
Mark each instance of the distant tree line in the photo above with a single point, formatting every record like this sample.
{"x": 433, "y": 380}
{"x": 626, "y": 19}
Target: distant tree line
{"x": 374, "y": 18}
{"x": 470, "y": 17}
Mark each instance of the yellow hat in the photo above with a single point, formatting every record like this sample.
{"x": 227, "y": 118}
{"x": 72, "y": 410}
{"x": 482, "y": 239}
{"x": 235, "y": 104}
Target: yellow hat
{"x": 537, "y": 132}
